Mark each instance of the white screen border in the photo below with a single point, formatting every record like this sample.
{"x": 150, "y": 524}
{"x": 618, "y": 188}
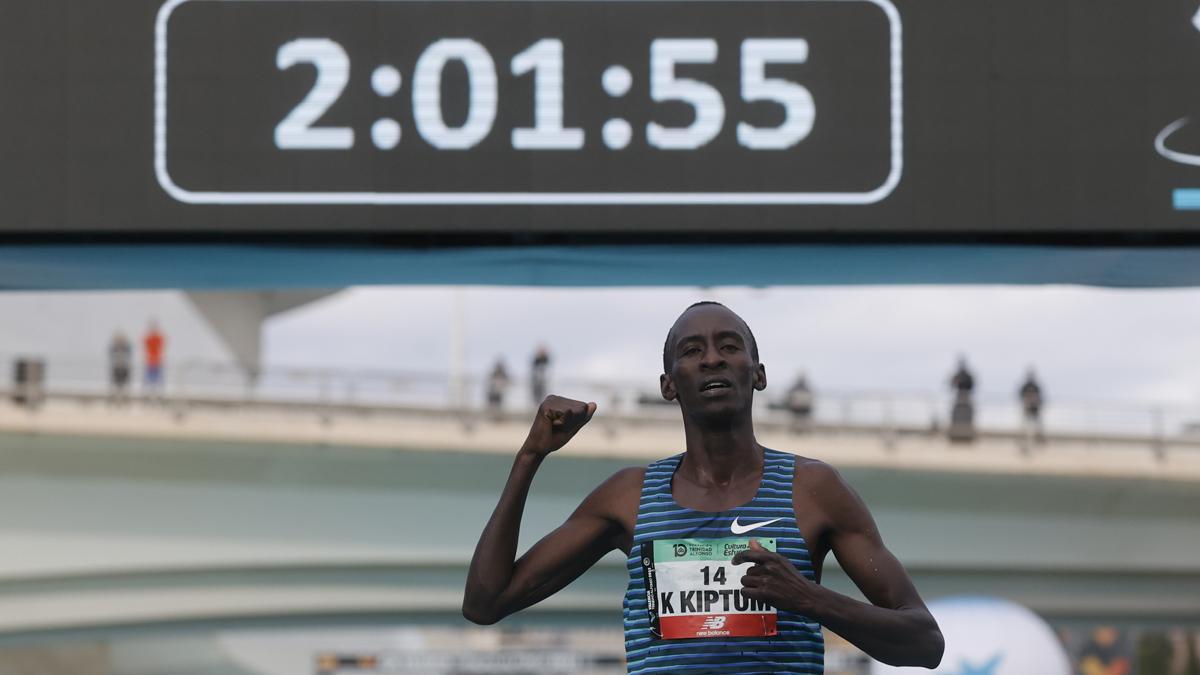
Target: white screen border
{"x": 187, "y": 196}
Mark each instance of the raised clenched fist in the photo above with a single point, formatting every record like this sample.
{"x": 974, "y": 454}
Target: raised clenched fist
{"x": 558, "y": 420}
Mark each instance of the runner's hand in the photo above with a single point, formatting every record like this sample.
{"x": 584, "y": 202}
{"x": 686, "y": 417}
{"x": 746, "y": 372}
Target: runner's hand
{"x": 558, "y": 420}
{"x": 774, "y": 580}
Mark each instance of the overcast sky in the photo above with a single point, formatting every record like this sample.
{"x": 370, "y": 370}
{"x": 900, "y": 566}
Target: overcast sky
{"x": 1086, "y": 343}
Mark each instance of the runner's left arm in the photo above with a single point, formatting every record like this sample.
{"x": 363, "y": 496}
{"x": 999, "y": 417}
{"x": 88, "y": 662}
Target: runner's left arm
{"x": 896, "y": 628}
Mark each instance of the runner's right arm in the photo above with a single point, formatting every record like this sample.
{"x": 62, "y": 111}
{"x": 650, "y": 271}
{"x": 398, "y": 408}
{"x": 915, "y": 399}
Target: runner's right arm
{"x": 498, "y": 584}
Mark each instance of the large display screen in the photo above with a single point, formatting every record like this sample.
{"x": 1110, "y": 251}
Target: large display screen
{"x": 599, "y": 116}
{"x": 530, "y": 102}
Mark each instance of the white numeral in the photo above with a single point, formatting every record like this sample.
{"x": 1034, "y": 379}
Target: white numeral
{"x": 427, "y": 94}
{"x": 545, "y": 58}
{"x": 296, "y": 131}
{"x": 797, "y": 101}
{"x": 704, "y": 99}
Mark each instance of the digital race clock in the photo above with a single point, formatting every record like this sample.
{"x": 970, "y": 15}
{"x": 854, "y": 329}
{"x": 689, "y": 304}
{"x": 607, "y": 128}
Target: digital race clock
{"x": 625, "y": 102}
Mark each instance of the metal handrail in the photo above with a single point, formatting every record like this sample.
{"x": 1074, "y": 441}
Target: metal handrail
{"x": 891, "y": 412}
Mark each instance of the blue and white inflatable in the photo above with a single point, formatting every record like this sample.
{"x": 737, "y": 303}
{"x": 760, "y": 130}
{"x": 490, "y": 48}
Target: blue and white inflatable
{"x": 989, "y": 636}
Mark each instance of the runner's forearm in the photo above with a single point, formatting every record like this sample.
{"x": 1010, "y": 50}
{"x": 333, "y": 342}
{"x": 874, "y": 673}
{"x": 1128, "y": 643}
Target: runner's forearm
{"x": 492, "y": 565}
{"x": 898, "y": 637}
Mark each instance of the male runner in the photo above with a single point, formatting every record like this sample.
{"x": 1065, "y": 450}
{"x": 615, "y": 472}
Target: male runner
{"x": 690, "y": 523}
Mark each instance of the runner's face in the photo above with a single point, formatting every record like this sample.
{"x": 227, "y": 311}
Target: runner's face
{"x": 712, "y": 370}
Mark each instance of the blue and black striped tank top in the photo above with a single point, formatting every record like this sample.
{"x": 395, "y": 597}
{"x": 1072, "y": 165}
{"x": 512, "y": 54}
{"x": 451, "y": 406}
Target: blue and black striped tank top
{"x": 797, "y": 645}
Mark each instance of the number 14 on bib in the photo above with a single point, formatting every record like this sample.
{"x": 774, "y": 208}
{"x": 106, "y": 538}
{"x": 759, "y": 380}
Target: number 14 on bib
{"x": 693, "y": 590}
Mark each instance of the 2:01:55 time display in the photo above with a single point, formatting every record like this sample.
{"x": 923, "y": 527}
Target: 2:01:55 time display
{"x": 544, "y": 59}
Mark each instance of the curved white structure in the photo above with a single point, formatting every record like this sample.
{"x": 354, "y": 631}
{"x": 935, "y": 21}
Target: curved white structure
{"x": 989, "y": 636}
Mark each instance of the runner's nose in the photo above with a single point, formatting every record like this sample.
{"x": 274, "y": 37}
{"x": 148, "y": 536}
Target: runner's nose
{"x": 712, "y": 358}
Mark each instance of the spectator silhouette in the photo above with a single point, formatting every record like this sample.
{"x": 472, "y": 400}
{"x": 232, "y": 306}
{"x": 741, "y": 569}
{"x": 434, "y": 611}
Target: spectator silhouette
{"x": 539, "y": 374}
{"x": 497, "y": 384}
{"x": 962, "y": 414}
{"x": 153, "y": 344}
{"x": 120, "y": 366}
{"x": 800, "y": 402}
{"x": 1030, "y": 395}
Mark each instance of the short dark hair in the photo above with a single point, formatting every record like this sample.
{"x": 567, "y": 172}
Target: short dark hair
{"x": 667, "y": 343}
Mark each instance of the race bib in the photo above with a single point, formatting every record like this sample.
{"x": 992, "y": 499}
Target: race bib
{"x": 693, "y": 590}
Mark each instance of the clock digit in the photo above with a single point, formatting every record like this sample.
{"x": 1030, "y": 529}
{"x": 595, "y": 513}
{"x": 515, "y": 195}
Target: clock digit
{"x": 296, "y": 131}
{"x": 797, "y": 101}
{"x": 427, "y": 94}
{"x": 545, "y": 58}
{"x": 704, "y": 99}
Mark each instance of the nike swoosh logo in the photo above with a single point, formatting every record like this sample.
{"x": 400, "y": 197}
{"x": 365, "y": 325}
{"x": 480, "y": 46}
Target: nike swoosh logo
{"x": 738, "y": 528}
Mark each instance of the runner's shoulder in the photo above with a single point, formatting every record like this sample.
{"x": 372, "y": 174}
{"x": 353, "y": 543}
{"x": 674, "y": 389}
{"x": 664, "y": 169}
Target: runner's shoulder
{"x": 814, "y": 470}
{"x": 627, "y": 482}
{"x": 817, "y": 479}
{"x": 821, "y": 488}
{"x": 623, "y": 487}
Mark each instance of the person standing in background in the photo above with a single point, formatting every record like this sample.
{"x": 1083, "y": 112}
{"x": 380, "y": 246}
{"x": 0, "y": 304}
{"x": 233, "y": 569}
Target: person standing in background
{"x": 496, "y": 385}
{"x": 1106, "y": 653}
{"x": 539, "y": 374}
{"x": 962, "y": 414}
{"x": 800, "y": 403}
{"x": 154, "y": 344}
{"x": 120, "y": 365}
{"x": 1030, "y": 395}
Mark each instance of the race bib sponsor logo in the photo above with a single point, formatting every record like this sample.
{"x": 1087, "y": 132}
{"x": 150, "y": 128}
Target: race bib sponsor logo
{"x": 693, "y": 590}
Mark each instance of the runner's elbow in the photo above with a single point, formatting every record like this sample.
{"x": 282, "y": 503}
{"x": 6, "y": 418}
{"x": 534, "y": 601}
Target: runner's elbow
{"x": 933, "y": 646}
{"x": 479, "y": 615}
{"x": 922, "y": 646}
{"x": 482, "y": 611}
{"x": 939, "y": 648}
{"x": 480, "y": 619}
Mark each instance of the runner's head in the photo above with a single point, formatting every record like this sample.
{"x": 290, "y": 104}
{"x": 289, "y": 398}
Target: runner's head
{"x": 710, "y": 362}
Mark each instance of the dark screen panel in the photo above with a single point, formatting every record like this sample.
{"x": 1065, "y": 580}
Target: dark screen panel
{"x": 772, "y": 116}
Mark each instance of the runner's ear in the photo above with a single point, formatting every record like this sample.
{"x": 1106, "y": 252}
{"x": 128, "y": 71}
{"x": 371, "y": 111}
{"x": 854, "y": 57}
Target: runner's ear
{"x": 667, "y": 386}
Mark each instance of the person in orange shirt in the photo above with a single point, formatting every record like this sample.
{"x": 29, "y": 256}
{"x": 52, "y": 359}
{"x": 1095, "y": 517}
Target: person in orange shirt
{"x": 154, "y": 343}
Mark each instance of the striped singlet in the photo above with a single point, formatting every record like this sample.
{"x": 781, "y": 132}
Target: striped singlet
{"x": 797, "y": 648}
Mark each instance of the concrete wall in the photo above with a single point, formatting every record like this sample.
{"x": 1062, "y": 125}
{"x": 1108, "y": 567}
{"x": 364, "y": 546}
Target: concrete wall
{"x": 109, "y": 532}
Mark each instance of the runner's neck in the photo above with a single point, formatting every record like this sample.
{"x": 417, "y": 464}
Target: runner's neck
{"x": 720, "y": 464}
